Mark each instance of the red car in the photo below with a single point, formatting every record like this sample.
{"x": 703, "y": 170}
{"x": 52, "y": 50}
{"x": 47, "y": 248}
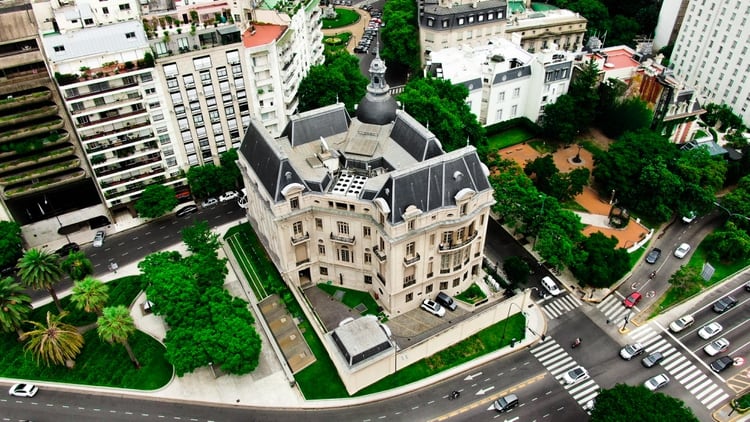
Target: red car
{"x": 631, "y": 300}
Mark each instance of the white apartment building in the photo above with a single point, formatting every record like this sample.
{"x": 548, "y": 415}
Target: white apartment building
{"x": 671, "y": 15}
{"x": 711, "y": 52}
{"x": 117, "y": 107}
{"x": 446, "y": 24}
{"x": 504, "y": 80}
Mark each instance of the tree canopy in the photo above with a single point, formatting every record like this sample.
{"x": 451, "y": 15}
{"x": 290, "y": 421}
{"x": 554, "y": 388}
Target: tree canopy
{"x": 441, "y": 106}
{"x": 575, "y": 110}
{"x": 155, "y": 201}
{"x": 338, "y": 80}
{"x": 548, "y": 179}
{"x": 617, "y": 404}
{"x": 400, "y": 37}
{"x": 600, "y": 262}
{"x": 11, "y": 243}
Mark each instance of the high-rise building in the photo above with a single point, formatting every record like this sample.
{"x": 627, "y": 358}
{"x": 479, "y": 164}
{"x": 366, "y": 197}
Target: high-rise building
{"x": 668, "y": 26}
{"x": 710, "y": 53}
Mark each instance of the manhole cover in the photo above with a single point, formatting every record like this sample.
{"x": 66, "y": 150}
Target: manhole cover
{"x": 339, "y": 295}
{"x": 360, "y": 308}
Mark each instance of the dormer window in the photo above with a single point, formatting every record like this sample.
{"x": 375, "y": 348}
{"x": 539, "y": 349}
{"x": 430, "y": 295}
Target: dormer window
{"x": 294, "y": 203}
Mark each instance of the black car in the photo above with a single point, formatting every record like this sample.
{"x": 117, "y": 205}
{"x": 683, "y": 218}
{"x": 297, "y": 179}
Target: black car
{"x": 722, "y": 363}
{"x": 652, "y": 359}
{"x": 67, "y": 248}
{"x": 653, "y": 256}
{"x": 725, "y": 303}
{"x": 446, "y": 301}
{"x": 186, "y": 210}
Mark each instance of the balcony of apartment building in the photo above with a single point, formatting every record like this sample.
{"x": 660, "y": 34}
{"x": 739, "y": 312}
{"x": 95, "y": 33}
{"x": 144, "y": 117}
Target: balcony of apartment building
{"x": 119, "y": 140}
{"x": 24, "y": 72}
{"x": 171, "y": 35}
{"x": 96, "y": 105}
{"x": 33, "y": 130}
{"x": 380, "y": 254}
{"x": 116, "y": 129}
{"x": 299, "y": 238}
{"x": 411, "y": 260}
{"x": 21, "y": 116}
{"x": 128, "y": 164}
{"x": 52, "y": 176}
{"x": 24, "y": 100}
{"x": 343, "y": 238}
{"x": 123, "y": 183}
{"x": 454, "y": 245}
{"x": 107, "y": 79}
{"x": 113, "y": 116}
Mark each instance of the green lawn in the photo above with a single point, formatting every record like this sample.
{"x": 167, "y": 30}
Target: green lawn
{"x": 508, "y": 138}
{"x": 335, "y": 43}
{"x": 352, "y": 298}
{"x": 473, "y": 294}
{"x": 345, "y": 17}
{"x": 541, "y": 146}
{"x": 319, "y": 380}
{"x": 99, "y": 363}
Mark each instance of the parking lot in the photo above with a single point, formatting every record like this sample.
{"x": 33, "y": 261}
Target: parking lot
{"x": 416, "y": 325}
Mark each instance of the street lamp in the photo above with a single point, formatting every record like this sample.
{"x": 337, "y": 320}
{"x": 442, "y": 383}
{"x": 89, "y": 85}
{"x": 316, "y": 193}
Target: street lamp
{"x": 505, "y": 327}
{"x": 731, "y": 214}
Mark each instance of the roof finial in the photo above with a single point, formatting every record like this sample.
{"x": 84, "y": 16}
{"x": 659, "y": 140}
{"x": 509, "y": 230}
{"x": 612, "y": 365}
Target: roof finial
{"x": 467, "y": 140}
{"x": 337, "y": 98}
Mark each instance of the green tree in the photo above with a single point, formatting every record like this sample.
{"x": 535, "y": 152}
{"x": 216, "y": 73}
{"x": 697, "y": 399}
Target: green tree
{"x": 558, "y": 121}
{"x": 601, "y": 262}
{"x": 56, "y": 343}
{"x": 623, "y": 30}
{"x": 722, "y": 117}
{"x": 400, "y": 38}
{"x": 630, "y": 114}
{"x": 230, "y": 169}
{"x": 90, "y": 295}
{"x": 115, "y": 325}
{"x": 441, "y": 106}
{"x": 686, "y": 279}
{"x": 702, "y": 176}
{"x": 15, "y": 306}
{"x": 11, "y": 243}
{"x": 340, "y": 80}
{"x": 77, "y": 265}
{"x": 616, "y": 404}
{"x": 205, "y": 180}
{"x": 516, "y": 269}
{"x": 729, "y": 243}
{"x": 155, "y": 201}
{"x": 584, "y": 90}
{"x": 41, "y": 270}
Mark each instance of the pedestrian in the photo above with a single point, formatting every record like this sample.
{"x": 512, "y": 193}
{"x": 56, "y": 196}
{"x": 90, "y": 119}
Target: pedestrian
{"x": 608, "y": 321}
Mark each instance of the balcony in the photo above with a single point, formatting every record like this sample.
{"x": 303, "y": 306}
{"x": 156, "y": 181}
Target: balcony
{"x": 300, "y": 238}
{"x": 379, "y": 254}
{"x": 45, "y": 184}
{"x": 112, "y": 118}
{"x": 443, "y": 248}
{"x": 102, "y": 91}
{"x": 39, "y": 172}
{"x": 341, "y": 238}
{"x": 114, "y": 130}
{"x": 127, "y": 165}
{"x": 24, "y": 100}
{"x": 119, "y": 141}
{"x": 41, "y": 128}
{"x": 409, "y": 261}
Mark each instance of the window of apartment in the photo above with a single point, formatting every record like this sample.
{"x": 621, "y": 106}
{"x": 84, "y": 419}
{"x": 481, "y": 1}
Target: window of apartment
{"x": 410, "y": 249}
{"x": 198, "y": 119}
{"x": 201, "y": 132}
{"x": 443, "y": 285}
{"x": 211, "y": 102}
{"x": 183, "y": 124}
{"x": 409, "y": 297}
{"x": 227, "y": 98}
{"x": 125, "y": 6}
{"x": 157, "y": 117}
{"x": 224, "y": 86}
{"x": 447, "y": 238}
{"x": 456, "y": 281}
{"x": 208, "y": 90}
{"x": 229, "y": 111}
{"x": 192, "y": 94}
{"x": 366, "y": 231}
{"x": 368, "y": 258}
{"x": 160, "y": 48}
{"x": 216, "y": 128}
{"x": 170, "y": 70}
{"x": 233, "y": 56}
{"x": 321, "y": 249}
{"x": 172, "y": 84}
{"x": 516, "y": 92}
{"x": 77, "y": 106}
{"x": 461, "y": 20}
{"x": 445, "y": 23}
{"x": 343, "y": 227}
{"x": 319, "y": 223}
{"x": 213, "y": 115}
{"x": 202, "y": 62}
{"x": 183, "y": 43}
{"x": 188, "y": 80}
{"x": 59, "y": 48}
{"x": 410, "y": 224}
{"x": 343, "y": 254}
{"x": 186, "y": 137}
{"x": 294, "y": 203}
{"x": 128, "y": 34}
{"x": 83, "y": 120}
{"x": 430, "y": 22}
{"x": 195, "y": 107}
{"x": 239, "y": 83}
{"x": 323, "y": 271}
{"x": 368, "y": 279}
{"x": 501, "y": 96}
{"x": 148, "y": 77}
{"x": 490, "y": 16}
{"x": 428, "y": 289}
{"x": 445, "y": 263}
{"x": 513, "y": 111}
{"x": 221, "y": 73}
{"x": 105, "y": 10}
{"x": 297, "y": 228}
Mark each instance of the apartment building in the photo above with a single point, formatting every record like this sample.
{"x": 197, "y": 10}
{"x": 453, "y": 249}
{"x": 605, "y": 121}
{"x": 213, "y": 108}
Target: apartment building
{"x": 535, "y": 27}
{"x": 710, "y": 53}
{"x": 671, "y": 15}
{"x": 504, "y": 80}
{"x": 45, "y": 182}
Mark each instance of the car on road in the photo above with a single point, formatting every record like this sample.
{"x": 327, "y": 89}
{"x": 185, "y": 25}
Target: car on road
{"x": 23, "y": 390}
{"x": 575, "y": 375}
{"x": 724, "y": 304}
{"x": 67, "y": 248}
{"x": 722, "y": 363}
{"x": 632, "y": 299}
{"x": 446, "y": 301}
{"x": 653, "y": 256}
{"x": 433, "y": 307}
{"x": 710, "y": 330}
{"x": 631, "y": 350}
{"x": 209, "y": 202}
{"x": 689, "y": 217}
{"x": 657, "y": 382}
{"x": 652, "y": 359}
{"x": 228, "y": 196}
{"x": 682, "y": 323}
{"x": 549, "y": 284}
{"x": 747, "y": 286}
{"x": 717, "y": 346}
{"x": 503, "y": 404}
{"x": 187, "y": 210}
{"x": 682, "y": 250}
{"x": 98, "y": 239}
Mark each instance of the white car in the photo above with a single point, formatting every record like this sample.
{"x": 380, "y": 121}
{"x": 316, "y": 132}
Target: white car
{"x": 228, "y": 196}
{"x": 551, "y": 286}
{"x": 631, "y": 350}
{"x": 682, "y": 250}
{"x": 209, "y": 202}
{"x": 682, "y": 323}
{"x": 575, "y": 375}
{"x": 656, "y": 382}
{"x": 433, "y": 307}
{"x": 710, "y": 330}
{"x": 98, "y": 239}
{"x": 23, "y": 390}
{"x": 716, "y": 347}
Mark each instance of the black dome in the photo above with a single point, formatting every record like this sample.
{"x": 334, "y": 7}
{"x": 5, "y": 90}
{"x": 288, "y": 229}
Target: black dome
{"x": 377, "y": 110}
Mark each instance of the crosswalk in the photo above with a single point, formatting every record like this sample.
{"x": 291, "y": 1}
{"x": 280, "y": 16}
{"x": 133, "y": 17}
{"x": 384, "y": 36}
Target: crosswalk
{"x": 614, "y": 310}
{"x": 556, "y": 306}
{"x": 557, "y": 361}
{"x": 680, "y": 367}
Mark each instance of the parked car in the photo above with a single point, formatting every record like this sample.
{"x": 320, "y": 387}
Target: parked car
{"x": 717, "y": 346}
{"x": 433, "y": 307}
{"x": 549, "y": 284}
{"x": 652, "y": 359}
{"x": 187, "y": 210}
{"x": 504, "y": 404}
{"x": 98, "y": 239}
{"x": 653, "y": 256}
{"x": 722, "y": 363}
{"x": 23, "y": 390}
{"x": 228, "y": 196}
{"x": 446, "y": 301}
{"x": 710, "y": 330}
{"x": 689, "y": 217}
{"x": 67, "y": 248}
{"x": 575, "y": 375}
{"x": 209, "y": 202}
{"x": 724, "y": 304}
{"x": 682, "y": 250}
{"x": 631, "y": 350}
{"x": 656, "y": 382}
{"x": 632, "y": 300}
{"x": 682, "y": 323}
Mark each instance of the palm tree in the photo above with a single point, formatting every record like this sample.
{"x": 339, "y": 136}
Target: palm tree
{"x": 15, "y": 306}
{"x": 77, "y": 265}
{"x": 56, "y": 342}
{"x": 116, "y": 325}
{"x": 90, "y": 295}
{"x": 40, "y": 270}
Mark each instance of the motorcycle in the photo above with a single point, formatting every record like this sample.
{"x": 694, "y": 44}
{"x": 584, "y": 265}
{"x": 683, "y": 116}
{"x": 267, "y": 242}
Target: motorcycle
{"x": 576, "y": 343}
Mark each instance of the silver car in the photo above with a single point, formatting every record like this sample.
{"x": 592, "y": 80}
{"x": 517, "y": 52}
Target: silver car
{"x": 656, "y": 382}
{"x": 99, "y": 239}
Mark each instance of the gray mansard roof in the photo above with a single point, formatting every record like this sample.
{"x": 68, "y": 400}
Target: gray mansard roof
{"x": 401, "y": 162}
